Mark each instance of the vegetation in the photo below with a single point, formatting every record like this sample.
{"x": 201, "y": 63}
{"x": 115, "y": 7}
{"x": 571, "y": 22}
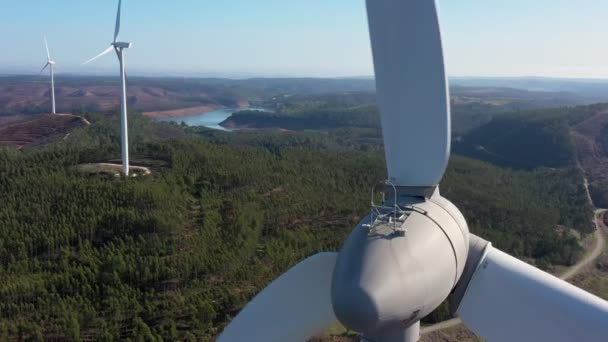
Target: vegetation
{"x": 599, "y": 192}
{"x": 604, "y": 139}
{"x": 527, "y": 140}
{"x": 599, "y": 185}
{"x": 315, "y": 118}
{"x": 175, "y": 255}
{"x": 471, "y": 108}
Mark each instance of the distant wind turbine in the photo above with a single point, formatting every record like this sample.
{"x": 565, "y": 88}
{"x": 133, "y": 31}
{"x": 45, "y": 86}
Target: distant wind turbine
{"x": 118, "y": 47}
{"x": 50, "y": 63}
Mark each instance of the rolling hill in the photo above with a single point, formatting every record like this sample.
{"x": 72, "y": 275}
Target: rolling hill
{"x": 39, "y": 130}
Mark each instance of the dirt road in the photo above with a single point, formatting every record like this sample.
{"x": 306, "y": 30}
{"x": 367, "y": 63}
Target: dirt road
{"x": 600, "y": 243}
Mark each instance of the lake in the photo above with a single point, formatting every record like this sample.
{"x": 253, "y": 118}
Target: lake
{"x": 209, "y": 120}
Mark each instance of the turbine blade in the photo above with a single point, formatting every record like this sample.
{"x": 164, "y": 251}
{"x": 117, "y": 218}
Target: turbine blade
{"x": 106, "y": 51}
{"x": 117, "y": 28}
{"x": 44, "y": 67}
{"x": 294, "y": 307}
{"x": 509, "y": 300}
{"x": 46, "y": 44}
{"x": 412, "y": 89}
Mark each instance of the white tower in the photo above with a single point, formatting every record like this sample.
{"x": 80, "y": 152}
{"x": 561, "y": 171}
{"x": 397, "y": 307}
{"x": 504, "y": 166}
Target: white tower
{"x": 51, "y": 64}
{"x": 119, "y": 47}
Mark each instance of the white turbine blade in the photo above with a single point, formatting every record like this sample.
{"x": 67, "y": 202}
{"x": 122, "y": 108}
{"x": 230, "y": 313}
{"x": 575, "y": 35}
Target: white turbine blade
{"x": 412, "y": 89}
{"x": 117, "y": 27}
{"x": 48, "y": 53}
{"x": 509, "y": 300}
{"x": 106, "y": 51}
{"x": 44, "y": 67}
{"x": 294, "y": 307}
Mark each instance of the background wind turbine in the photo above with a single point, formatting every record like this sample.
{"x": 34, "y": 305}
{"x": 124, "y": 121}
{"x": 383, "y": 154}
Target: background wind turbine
{"x": 51, "y": 64}
{"x": 415, "y": 250}
{"x": 119, "y": 47}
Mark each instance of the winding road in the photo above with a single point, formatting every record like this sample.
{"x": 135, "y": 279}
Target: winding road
{"x": 600, "y": 243}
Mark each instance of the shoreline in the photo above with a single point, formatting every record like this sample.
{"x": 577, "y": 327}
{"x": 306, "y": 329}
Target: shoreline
{"x": 191, "y": 111}
{"x": 182, "y": 112}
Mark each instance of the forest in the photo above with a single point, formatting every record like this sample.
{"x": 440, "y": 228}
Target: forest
{"x": 527, "y": 140}
{"x": 175, "y": 255}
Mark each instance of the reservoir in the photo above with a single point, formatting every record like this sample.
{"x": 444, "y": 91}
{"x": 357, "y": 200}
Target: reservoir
{"x": 209, "y": 120}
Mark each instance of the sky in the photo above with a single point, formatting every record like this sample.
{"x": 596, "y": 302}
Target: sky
{"x": 318, "y": 38}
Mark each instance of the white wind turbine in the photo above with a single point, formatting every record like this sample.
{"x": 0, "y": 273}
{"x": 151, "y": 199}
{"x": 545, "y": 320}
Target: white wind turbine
{"x": 119, "y": 47}
{"x": 415, "y": 250}
{"x": 51, "y": 64}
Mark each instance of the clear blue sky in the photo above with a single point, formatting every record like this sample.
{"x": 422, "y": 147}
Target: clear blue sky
{"x": 562, "y": 38}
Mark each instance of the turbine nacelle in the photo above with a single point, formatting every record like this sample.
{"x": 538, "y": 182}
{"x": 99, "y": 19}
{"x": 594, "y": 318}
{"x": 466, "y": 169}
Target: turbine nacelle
{"x": 115, "y": 45}
{"x": 398, "y": 269}
{"x": 122, "y": 45}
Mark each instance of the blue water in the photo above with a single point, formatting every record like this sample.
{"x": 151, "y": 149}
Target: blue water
{"x": 209, "y": 120}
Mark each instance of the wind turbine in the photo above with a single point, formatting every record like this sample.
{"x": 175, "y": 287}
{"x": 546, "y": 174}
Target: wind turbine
{"x": 119, "y": 47}
{"x": 415, "y": 250}
{"x": 51, "y": 64}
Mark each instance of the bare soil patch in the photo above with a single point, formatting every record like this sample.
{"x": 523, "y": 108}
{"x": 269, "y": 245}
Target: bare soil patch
{"x": 112, "y": 170}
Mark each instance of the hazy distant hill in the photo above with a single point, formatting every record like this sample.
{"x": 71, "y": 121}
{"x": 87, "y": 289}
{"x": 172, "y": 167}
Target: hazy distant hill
{"x": 31, "y": 95}
{"x": 471, "y": 107}
{"x": 591, "y": 90}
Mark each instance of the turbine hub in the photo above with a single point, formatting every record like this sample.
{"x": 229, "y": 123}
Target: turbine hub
{"x": 388, "y": 278}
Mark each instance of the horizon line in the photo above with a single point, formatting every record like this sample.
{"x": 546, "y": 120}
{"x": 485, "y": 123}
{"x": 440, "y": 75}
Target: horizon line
{"x": 248, "y": 75}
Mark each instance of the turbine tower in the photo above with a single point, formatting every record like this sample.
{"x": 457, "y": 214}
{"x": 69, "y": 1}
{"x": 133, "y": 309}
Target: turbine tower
{"x": 51, "y": 64}
{"x": 119, "y": 47}
{"x": 414, "y": 250}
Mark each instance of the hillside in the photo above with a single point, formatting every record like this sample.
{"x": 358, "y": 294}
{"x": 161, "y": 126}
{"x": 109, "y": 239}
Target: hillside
{"x": 41, "y": 129}
{"x": 567, "y": 137}
{"x": 307, "y": 119}
{"x": 101, "y": 94}
{"x": 177, "y": 253}
{"x": 527, "y": 140}
{"x": 471, "y": 108}
{"x": 591, "y": 138}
